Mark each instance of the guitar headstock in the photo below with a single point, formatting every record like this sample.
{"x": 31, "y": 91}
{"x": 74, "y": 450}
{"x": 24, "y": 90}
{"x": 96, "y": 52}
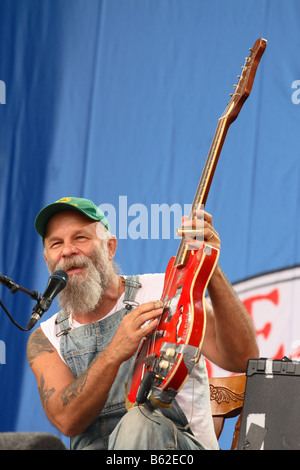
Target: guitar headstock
{"x": 246, "y": 79}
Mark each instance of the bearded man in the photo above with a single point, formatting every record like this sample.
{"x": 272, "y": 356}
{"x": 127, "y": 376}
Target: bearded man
{"x": 83, "y": 355}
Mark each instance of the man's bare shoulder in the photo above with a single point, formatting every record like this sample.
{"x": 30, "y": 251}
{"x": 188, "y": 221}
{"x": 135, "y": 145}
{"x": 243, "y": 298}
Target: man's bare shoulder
{"x": 38, "y": 345}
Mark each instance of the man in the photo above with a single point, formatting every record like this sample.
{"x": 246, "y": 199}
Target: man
{"x": 82, "y": 356}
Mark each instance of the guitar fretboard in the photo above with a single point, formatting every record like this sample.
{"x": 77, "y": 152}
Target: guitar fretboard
{"x": 204, "y": 183}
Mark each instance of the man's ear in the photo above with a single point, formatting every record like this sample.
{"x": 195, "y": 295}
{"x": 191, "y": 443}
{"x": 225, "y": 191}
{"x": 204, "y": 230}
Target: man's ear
{"x": 112, "y": 247}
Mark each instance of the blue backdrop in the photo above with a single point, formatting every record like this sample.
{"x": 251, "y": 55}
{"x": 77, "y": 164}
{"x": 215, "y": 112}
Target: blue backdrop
{"x": 118, "y": 101}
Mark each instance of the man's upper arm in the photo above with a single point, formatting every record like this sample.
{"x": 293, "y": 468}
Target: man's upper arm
{"x": 51, "y": 372}
{"x": 38, "y": 345}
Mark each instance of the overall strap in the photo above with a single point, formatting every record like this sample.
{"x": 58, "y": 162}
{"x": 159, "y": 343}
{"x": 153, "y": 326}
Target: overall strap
{"x": 62, "y": 320}
{"x": 132, "y": 285}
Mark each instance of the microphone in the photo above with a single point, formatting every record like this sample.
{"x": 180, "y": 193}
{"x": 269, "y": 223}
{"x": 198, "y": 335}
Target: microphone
{"x": 57, "y": 282}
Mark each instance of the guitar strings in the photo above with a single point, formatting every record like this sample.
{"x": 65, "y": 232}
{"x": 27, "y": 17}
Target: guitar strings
{"x": 199, "y": 198}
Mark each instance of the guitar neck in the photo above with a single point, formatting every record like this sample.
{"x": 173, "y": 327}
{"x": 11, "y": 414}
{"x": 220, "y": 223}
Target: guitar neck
{"x": 242, "y": 91}
{"x": 205, "y": 182}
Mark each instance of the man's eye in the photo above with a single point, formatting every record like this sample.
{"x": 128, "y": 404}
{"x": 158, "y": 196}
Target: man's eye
{"x": 55, "y": 244}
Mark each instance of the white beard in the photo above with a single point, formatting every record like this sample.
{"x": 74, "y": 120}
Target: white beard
{"x": 84, "y": 291}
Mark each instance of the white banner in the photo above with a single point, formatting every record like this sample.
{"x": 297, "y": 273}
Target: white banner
{"x": 273, "y": 303}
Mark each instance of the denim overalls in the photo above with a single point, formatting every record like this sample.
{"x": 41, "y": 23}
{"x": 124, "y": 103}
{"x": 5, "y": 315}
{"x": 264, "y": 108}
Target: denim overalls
{"x": 80, "y": 346}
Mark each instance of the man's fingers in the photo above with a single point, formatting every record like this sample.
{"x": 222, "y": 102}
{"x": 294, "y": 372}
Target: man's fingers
{"x": 145, "y": 312}
{"x": 147, "y": 307}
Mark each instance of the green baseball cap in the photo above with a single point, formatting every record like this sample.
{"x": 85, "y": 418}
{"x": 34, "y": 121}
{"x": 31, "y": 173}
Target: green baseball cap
{"x": 84, "y": 206}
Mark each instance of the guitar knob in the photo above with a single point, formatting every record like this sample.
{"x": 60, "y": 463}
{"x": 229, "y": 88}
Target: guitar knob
{"x": 170, "y": 352}
{"x": 164, "y": 364}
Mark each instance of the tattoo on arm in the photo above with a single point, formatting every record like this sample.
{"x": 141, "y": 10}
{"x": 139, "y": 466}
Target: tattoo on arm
{"x": 37, "y": 345}
{"x": 45, "y": 393}
{"x": 74, "y": 389}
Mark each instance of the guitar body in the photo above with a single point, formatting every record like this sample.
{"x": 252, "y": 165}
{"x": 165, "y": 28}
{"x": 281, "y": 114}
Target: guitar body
{"x": 175, "y": 347}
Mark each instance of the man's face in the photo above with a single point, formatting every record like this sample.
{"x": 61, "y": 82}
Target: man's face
{"x": 72, "y": 244}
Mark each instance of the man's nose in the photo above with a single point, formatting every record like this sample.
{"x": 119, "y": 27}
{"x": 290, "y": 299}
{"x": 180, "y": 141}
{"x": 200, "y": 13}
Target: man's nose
{"x": 69, "y": 249}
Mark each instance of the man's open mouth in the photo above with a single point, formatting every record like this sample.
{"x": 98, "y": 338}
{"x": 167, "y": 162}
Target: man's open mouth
{"x": 75, "y": 270}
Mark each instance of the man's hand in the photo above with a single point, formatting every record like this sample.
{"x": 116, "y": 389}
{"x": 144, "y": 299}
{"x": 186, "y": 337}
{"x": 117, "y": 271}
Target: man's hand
{"x": 137, "y": 324}
{"x": 199, "y": 230}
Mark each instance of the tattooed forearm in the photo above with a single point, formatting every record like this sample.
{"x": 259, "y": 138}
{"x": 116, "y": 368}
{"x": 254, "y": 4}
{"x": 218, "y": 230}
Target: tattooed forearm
{"x": 38, "y": 344}
{"x": 73, "y": 390}
{"x": 45, "y": 393}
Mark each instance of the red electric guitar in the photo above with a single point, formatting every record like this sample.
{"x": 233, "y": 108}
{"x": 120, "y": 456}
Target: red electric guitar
{"x": 166, "y": 358}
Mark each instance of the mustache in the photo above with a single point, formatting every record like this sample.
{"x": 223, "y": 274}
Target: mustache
{"x": 80, "y": 261}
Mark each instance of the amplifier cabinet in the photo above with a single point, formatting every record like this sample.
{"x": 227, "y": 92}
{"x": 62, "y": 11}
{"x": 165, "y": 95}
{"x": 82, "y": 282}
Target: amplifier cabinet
{"x": 271, "y": 412}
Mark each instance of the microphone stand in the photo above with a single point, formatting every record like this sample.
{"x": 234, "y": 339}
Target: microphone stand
{"x": 13, "y": 287}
